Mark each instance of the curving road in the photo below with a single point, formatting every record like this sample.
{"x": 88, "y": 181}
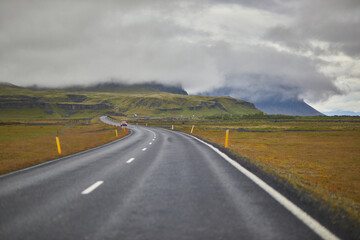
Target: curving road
{"x": 152, "y": 184}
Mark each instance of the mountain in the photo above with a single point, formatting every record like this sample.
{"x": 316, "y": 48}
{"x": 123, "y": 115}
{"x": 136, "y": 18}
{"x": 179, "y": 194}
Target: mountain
{"x": 24, "y": 103}
{"x": 271, "y": 104}
{"x": 293, "y": 107}
{"x": 5, "y": 85}
{"x": 124, "y": 88}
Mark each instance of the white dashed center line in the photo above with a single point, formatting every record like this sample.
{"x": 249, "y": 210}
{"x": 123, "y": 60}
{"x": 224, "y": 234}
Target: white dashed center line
{"x": 144, "y": 149}
{"x": 130, "y": 160}
{"x": 150, "y": 143}
{"x": 92, "y": 187}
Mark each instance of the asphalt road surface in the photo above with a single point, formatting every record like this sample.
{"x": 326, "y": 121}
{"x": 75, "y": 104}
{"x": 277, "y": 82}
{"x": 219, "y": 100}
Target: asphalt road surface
{"x": 152, "y": 184}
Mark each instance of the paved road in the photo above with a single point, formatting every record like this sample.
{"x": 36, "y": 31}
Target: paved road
{"x": 153, "y": 184}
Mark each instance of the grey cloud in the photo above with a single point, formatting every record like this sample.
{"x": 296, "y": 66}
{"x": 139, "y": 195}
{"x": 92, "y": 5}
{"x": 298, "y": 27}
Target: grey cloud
{"x": 334, "y": 22}
{"x": 283, "y": 6}
{"x": 67, "y": 42}
{"x": 130, "y": 43}
{"x": 262, "y": 72}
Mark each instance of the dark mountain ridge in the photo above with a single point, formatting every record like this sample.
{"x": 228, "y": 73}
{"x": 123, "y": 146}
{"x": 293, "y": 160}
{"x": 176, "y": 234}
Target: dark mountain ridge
{"x": 293, "y": 107}
{"x": 124, "y": 88}
{"x": 271, "y": 104}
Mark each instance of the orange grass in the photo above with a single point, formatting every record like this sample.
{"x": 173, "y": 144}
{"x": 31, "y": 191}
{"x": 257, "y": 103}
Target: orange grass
{"x": 319, "y": 157}
{"x": 326, "y": 164}
{"x": 24, "y": 145}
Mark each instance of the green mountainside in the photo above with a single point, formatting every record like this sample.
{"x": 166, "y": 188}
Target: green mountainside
{"x": 151, "y": 87}
{"x": 24, "y": 103}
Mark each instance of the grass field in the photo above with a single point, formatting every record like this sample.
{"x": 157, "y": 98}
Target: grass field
{"x": 23, "y": 144}
{"x": 320, "y": 156}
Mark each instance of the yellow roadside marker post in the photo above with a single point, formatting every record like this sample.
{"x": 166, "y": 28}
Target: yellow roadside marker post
{"x": 58, "y": 145}
{"x": 116, "y": 133}
{"x": 146, "y": 124}
{"x": 192, "y": 129}
{"x": 227, "y": 138}
{"x": 172, "y": 127}
{"x": 123, "y": 128}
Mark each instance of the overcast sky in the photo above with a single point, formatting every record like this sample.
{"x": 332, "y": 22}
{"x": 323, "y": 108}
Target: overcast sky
{"x": 305, "y": 49}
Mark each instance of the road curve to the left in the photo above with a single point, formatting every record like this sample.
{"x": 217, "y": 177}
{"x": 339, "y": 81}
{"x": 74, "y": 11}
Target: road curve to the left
{"x": 152, "y": 184}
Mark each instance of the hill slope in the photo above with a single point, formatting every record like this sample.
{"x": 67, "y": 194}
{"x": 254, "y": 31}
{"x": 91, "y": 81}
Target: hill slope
{"x": 272, "y": 104}
{"x": 292, "y": 107}
{"x": 124, "y": 88}
{"x": 18, "y": 103}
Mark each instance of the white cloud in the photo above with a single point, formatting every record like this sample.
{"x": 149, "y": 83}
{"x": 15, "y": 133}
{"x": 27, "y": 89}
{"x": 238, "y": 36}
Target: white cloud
{"x": 350, "y": 102}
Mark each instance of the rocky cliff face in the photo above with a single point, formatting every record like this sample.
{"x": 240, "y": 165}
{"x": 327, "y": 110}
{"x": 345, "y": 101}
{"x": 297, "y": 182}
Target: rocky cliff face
{"x": 75, "y": 106}
{"x": 21, "y": 102}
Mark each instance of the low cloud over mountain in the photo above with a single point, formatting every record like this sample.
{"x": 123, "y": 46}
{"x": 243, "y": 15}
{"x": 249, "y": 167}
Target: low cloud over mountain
{"x": 306, "y": 50}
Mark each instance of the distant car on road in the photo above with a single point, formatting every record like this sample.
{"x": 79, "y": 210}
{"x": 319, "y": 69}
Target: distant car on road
{"x": 123, "y": 124}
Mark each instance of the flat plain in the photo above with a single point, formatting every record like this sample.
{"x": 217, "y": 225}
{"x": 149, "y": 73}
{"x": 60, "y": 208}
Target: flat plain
{"x": 319, "y": 156}
{"x": 29, "y": 142}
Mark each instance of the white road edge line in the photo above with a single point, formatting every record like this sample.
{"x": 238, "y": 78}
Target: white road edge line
{"x": 295, "y": 210}
{"x": 130, "y": 160}
{"x": 152, "y": 132}
{"x": 92, "y": 187}
{"x": 144, "y": 149}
